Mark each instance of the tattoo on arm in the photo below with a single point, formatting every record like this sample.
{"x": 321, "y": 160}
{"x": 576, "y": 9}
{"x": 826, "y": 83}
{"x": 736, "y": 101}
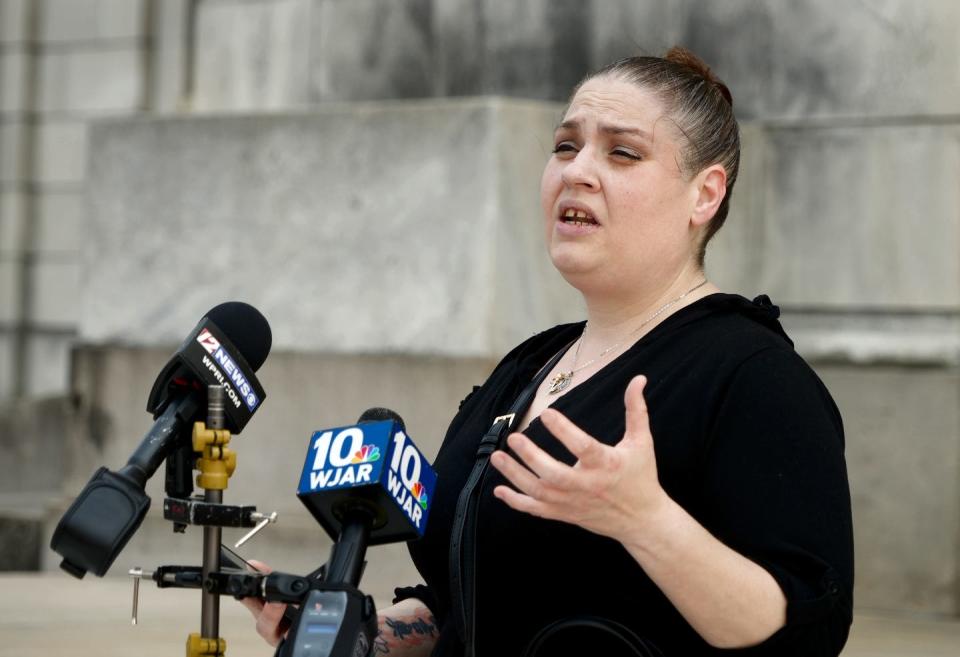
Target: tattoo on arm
{"x": 406, "y": 631}
{"x": 403, "y": 630}
{"x": 380, "y": 645}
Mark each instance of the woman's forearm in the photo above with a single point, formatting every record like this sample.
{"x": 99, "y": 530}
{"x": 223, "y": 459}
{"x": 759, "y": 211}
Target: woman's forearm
{"x": 728, "y": 599}
{"x": 407, "y": 629}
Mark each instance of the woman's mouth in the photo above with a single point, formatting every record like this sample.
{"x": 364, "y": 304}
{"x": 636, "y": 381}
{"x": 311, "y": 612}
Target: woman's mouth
{"x": 575, "y": 217}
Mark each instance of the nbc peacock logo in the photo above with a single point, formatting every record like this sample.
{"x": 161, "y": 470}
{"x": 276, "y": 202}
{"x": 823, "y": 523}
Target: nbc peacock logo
{"x": 366, "y": 454}
{"x": 420, "y": 494}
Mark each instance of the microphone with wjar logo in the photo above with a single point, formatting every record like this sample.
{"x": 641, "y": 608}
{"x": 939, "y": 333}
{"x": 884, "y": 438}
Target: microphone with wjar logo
{"x": 366, "y": 484}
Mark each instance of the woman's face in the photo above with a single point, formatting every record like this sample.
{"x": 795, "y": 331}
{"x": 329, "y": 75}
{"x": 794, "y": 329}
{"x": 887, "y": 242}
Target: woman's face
{"x": 616, "y": 207}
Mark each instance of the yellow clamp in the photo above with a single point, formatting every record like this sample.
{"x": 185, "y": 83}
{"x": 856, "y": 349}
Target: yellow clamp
{"x": 198, "y": 646}
{"x": 216, "y": 462}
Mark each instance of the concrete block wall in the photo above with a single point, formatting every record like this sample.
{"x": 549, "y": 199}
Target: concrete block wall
{"x": 811, "y": 58}
{"x": 854, "y": 230}
{"x": 362, "y": 228}
{"x": 14, "y": 60}
{"x": 63, "y": 64}
{"x": 903, "y": 455}
{"x": 67, "y": 63}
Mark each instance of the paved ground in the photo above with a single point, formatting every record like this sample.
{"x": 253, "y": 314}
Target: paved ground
{"x": 53, "y": 614}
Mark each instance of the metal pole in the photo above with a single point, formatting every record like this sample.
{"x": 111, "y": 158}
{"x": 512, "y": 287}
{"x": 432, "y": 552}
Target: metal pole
{"x": 210, "y": 602}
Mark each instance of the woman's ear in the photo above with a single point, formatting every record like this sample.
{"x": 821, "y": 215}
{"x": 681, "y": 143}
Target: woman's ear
{"x": 711, "y": 190}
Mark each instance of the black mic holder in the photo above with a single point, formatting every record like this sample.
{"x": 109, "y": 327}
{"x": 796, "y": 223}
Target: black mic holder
{"x": 336, "y": 619}
{"x": 193, "y": 511}
{"x": 328, "y": 615}
{"x": 331, "y": 618}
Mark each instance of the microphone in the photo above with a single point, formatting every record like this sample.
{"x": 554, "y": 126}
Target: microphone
{"x": 225, "y": 348}
{"x": 371, "y": 470}
{"x": 366, "y": 484}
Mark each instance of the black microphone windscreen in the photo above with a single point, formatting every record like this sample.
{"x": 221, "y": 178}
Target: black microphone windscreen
{"x": 247, "y": 329}
{"x": 378, "y": 414}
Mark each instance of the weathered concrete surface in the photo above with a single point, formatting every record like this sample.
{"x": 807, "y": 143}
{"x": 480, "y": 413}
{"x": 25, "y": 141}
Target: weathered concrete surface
{"x": 446, "y": 248}
{"x": 42, "y": 442}
{"x": 854, "y": 230}
{"x": 401, "y": 227}
{"x": 20, "y": 543}
{"x": 847, "y": 217}
{"x": 903, "y": 455}
{"x": 91, "y": 618}
{"x": 251, "y": 56}
{"x": 800, "y": 59}
{"x": 905, "y": 338}
{"x": 65, "y": 21}
{"x": 93, "y": 81}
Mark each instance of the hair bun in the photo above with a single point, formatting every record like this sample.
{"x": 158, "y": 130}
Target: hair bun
{"x": 683, "y": 57}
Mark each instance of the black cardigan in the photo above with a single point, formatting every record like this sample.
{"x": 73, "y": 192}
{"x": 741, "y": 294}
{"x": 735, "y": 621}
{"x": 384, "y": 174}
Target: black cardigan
{"x": 748, "y": 441}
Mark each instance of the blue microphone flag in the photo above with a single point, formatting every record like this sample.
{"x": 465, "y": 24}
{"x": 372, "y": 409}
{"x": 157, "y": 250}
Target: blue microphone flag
{"x": 374, "y": 465}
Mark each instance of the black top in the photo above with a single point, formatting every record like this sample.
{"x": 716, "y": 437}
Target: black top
{"x": 748, "y": 441}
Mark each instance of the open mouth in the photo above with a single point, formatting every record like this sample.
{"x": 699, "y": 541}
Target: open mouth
{"x": 577, "y": 217}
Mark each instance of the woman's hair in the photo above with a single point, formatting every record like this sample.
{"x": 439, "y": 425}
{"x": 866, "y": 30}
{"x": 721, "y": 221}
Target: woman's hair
{"x": 700, "y": 106}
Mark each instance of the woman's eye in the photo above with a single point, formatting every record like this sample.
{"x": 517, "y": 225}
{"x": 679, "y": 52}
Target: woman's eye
{"x": 630, "y": 155}
{"x": 564, "y": 147}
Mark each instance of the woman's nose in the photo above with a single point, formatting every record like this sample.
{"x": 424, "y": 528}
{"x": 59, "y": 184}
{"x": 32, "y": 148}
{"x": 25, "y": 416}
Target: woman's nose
{"x": 580, "y": 171}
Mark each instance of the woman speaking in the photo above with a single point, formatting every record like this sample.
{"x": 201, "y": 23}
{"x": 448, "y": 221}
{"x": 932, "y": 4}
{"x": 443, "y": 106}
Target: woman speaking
{"x": 665, "y": 478}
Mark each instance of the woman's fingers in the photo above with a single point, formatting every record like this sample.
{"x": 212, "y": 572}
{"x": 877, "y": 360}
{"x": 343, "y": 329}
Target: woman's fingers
{"x": 255, "y": 605}
{"x": 260, "y": 566}
{"x": 522, "y": 478}
{"x": 268, "y": 615}
{"x": 637, "y": 418}
{"x": 550, "y": 478}
{"x": 543, "y": 465}
{"x": 268, "y": 622}
{"x": 527, "y": 504}
{"x": 607, "y": 483}
{"x": 578, "y": 442}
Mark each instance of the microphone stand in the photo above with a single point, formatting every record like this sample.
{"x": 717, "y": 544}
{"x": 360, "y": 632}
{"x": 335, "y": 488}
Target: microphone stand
{"x": 210, "y": 602}
{"x": 216, "y": 464}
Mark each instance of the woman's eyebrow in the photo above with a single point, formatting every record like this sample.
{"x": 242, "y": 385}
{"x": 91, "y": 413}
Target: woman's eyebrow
{"x": 608, "y": 128}
{"x": 612, "y": 129}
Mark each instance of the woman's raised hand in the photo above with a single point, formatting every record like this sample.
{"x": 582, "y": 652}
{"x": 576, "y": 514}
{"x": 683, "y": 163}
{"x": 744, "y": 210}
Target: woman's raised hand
{"x": 269, "y": 615}
{"x": 610, "y": 490}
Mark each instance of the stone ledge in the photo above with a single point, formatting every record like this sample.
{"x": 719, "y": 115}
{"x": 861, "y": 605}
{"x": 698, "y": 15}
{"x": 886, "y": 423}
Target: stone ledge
{"x": 876, "y": 338}
{"x": 402, "y": 227}
{"x": 19, "y": 543}
{"x": 833, "y": 217}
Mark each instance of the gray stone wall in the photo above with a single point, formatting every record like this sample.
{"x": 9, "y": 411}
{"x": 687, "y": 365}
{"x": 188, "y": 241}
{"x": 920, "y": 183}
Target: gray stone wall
{"x": 385, "y": 227}
{"x": 903, "y": 450}
{"x": 63, "y": 64}
{"x": 67, "y": 63}
{"x": 809, "y": 58}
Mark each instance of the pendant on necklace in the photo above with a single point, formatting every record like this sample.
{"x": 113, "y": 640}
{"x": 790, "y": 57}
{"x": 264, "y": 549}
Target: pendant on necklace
{"x": 560, "y": 382}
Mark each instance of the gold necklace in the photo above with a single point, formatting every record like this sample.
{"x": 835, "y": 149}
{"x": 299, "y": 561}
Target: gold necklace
{"x": 562, "y": 380}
